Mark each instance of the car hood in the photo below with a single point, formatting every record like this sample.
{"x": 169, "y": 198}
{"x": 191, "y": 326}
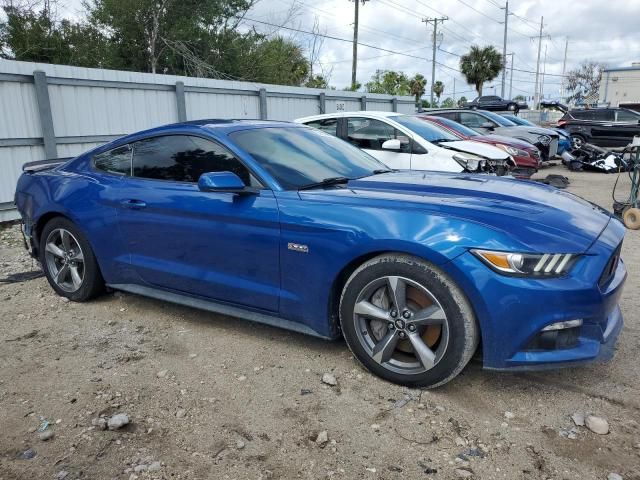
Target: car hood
{"x": 513, "y": 142}
{"x": 477, "y": 148}
{"x": 538, "y": 130}
{"x": 539, "y": 217}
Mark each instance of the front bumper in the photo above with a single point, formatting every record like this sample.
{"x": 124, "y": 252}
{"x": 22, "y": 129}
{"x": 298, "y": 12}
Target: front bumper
{"x": 512, "y": 312}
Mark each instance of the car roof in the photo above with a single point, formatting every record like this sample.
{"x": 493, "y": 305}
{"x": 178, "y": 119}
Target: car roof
{"x": 361, "y": 113}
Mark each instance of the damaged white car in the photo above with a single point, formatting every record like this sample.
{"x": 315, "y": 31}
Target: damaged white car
{"x": 407, "y": 143}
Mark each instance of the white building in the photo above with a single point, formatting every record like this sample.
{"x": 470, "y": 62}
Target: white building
{"x": 621, "y": 86}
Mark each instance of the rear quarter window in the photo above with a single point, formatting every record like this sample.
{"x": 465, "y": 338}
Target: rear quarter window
{"x": 116, "y": 161}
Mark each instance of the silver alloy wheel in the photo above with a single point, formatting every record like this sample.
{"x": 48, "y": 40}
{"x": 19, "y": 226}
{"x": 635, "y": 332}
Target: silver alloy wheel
{"x": 65, "y": 260}
{"x": 401, "y": 325}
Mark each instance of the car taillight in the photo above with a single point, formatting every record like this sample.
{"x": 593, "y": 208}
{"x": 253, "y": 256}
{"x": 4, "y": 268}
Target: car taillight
{"x": 561, "y": 123}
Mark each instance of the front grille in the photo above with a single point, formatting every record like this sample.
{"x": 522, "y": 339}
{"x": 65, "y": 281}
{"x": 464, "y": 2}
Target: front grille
{"x": 553, "y": 148}
{"x": 610, "y": 267}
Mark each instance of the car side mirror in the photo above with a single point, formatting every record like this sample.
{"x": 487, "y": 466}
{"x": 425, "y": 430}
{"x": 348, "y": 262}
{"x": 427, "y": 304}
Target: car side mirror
{"x": 392, "y": 144}
{"x": 222, "y": 182}
{"x": 488, "y": 125}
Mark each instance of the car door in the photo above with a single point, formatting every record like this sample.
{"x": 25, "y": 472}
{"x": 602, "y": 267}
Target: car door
{"x": 370, "y": 134}
{"x": 602, "y": 127}
{"x": 219, "y": 245}
{"x": 625, "y": 127}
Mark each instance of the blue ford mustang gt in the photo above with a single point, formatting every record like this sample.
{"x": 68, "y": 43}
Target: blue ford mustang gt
{"x": 286, "y": 225}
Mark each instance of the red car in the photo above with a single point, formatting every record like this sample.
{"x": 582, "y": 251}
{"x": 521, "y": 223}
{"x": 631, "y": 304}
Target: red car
{"x": 526, "y": 155}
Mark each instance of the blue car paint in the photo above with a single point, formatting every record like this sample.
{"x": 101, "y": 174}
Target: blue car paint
{"x": 234, "y": 249}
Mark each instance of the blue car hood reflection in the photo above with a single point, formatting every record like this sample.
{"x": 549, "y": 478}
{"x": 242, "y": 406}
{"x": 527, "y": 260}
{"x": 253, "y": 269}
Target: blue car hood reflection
{"x": 536, "y": 215}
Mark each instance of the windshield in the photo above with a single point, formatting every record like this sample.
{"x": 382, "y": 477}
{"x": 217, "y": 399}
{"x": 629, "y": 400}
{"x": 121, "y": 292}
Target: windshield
{"x": 300, "y": 156}
{"x": 457, "y": 127}
{"x": 499, "y": 119}
{"x": 428, "y": 131}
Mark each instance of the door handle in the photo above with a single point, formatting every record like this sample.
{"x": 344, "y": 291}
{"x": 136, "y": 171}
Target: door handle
{"x": 133, "y": 204}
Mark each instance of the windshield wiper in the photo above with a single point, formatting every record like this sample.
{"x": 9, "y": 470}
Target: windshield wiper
{"x": 327, "y": 182}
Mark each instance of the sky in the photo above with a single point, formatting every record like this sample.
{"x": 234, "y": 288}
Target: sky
{"x": 600, "y": 30}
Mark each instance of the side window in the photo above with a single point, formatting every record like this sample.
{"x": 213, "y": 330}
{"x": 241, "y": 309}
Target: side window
{"x": 472, "y": 120}
{"x": 116, "y": 161}
{"x": 582, "y": 114}
{"x": 626, "y": 116}
{"x": 328, "y": 125}
{"x": 183, "y": 158}
{"x": 450, "y": 115}
{"x": 603, "y": 115}
{"x": 370, "y": 134}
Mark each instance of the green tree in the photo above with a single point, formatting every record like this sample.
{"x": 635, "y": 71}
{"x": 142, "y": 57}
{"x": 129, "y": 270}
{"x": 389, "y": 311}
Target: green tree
{"x": 480, "y": 65}
{"x": 462, "y": 100}
{"x": 316, "y": 81}
{"x": 448, "y": 103}
{"x": 417, "y": 86}
{"x": 389, "y": 82}
{"x": 519, "y": 98}
{"x": 35, "y": 35}
{"x": 438, "y": 88}
{"x": 353, "y": 88}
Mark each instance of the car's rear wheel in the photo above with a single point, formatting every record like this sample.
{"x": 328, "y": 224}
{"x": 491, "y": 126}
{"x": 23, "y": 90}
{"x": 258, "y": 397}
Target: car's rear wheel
{"x": 512, "y": 107}
{"x": 68, "y": 261}
{"x": 577, "y": 141}
{"x": 407, "y": 322}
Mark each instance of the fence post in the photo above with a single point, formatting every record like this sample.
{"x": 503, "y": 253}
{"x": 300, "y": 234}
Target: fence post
{"x": 263, "y": 104}
{"x": 394, "y": 104}
{"x": 322, "y": 100}
{"x": 363, "y": 102}
{"x": 181, "y": 102}
{"x": 44, "y": 111}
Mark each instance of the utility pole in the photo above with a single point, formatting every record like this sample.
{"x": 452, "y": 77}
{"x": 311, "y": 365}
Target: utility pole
{"x": 564, "y": 67}
{"x": 544, "y": 72}
{"x": 354, "y": 65}
{"x": 435, "y": 21}
{"x": 504, "y": 47}
{"x": 511, "y": 78}
{"x": 536, "y": 97}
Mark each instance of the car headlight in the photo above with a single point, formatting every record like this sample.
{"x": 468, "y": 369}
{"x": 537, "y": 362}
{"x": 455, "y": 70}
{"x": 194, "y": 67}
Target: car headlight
{"x": 544, "y": 139}
{"x": 544, "y": 265}
{"x": 516, "y": 152}
{"x": 469, "y": 162}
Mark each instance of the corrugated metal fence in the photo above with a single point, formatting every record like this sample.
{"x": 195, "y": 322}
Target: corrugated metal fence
{"x": 50, "y": 111}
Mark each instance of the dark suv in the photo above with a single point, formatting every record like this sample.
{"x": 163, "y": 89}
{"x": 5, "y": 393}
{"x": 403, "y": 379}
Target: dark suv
{"x": 605, "y": 127}
{"x": 495, "y": 103}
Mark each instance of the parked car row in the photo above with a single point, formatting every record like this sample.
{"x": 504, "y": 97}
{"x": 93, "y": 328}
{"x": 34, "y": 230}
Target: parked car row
{"x": 446, "y": 140}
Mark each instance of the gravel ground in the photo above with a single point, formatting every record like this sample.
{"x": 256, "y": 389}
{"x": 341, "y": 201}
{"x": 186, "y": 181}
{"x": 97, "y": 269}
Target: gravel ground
{"x": 209, "y": 396}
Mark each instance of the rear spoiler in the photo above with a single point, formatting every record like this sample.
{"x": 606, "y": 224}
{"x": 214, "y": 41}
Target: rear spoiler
{"x": 32, "y": 167}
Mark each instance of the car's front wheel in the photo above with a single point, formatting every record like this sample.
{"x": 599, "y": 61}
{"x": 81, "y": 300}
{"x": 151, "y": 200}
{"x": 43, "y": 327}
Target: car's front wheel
{"x": 407, "y": 321}
{"x": 68, "y": 261}
{"x": 577, "y": 141}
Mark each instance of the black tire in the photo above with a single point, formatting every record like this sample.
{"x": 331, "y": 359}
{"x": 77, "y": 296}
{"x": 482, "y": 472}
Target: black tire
{"x": 577, "y": 140}
{"x": 92, "y": 283}
{"x": 512, "y": 107}
{"x": 462, "y": 336}
{"x": 473, "y": 107}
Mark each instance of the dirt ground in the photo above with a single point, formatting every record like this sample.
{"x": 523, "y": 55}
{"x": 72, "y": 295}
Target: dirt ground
{"x": 212, "y": 397}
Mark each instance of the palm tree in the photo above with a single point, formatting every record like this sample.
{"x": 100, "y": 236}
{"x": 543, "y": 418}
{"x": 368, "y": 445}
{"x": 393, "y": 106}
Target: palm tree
{"x": 416, "y": 86}
{"x": 438, "y": 88}
{"x": 481, "y": 65}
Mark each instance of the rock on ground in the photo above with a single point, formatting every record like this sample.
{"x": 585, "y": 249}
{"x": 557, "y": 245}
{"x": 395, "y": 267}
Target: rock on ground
{"x": 118, "y": 421}
{"x": 597, "y": 425}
